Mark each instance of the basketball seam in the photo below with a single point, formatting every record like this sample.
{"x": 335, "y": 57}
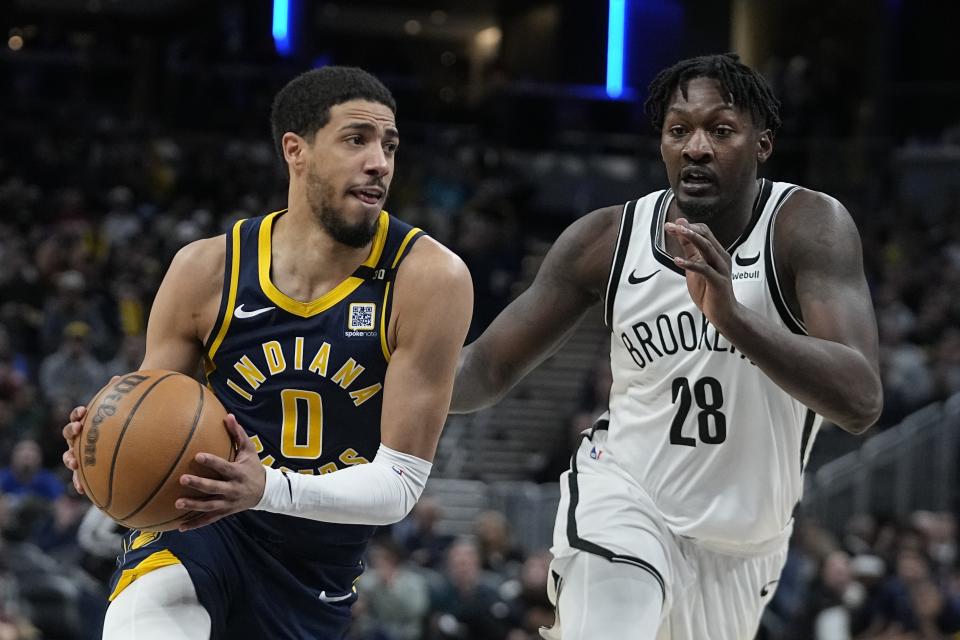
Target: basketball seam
{"x": 123, "y": 431}
{"x": 166, "y": 476}
{"x": 83, "y": 474}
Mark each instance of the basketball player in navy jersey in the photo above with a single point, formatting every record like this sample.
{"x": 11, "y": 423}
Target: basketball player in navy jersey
{"x": 739, "y": 318}
{"x": 330, "y": 331}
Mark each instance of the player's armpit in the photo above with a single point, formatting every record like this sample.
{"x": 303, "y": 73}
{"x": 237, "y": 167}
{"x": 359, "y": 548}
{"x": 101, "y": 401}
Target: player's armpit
{"x": 185, "y": 307}
{"x": 433, "y": 302}
{"x": 572, "y": 278}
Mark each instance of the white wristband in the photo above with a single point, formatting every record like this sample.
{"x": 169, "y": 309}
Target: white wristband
{"x": 379, "y": 493}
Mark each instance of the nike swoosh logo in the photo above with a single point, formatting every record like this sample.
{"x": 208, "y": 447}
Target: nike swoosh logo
{"x": 325, "y": 598}
{"x": 240, "y": 313}
{"x": 765, "y": 590}
{"x": 746, "y": 262}
{"x": 633, "y": 279}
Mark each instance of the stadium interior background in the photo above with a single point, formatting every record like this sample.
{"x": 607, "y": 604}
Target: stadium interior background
{"x": 131, "y": 127}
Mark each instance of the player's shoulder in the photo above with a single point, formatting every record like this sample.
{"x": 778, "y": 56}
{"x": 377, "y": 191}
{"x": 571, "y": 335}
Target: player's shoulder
{"x": 431, "y": 255}
{"x": 807, "y": 208}
{"x": 199, "y": 265}
{"x": 430, "y": 265}
{"x": 811, "y": 225}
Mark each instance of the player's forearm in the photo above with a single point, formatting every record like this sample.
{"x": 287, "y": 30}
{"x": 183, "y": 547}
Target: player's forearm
{"x": 379, "y": 493}
{"x": 478, "y": 383}
{"x": 830, "y": 378}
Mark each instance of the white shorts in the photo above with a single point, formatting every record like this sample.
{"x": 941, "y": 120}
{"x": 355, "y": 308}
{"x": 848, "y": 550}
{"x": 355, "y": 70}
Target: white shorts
{"x": 705, "y": 594}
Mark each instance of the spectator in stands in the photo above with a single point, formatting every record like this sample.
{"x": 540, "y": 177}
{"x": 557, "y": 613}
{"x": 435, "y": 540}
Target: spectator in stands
{"x": 530, "y": 608}
{"x": 906, "y": 602}
{"x": 72, "y": 302}
{"x": 465, "y": 605}
{"x": 26, "y": 478}
{"x": 498, "y": 554}
{"x": 72, "y": 373}
{"x": 394, "y": 595}
{"x": 418, "y": 536}
{"x": 835, "y": 602}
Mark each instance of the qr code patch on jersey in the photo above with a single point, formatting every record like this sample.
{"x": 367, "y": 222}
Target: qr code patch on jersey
{"x": 362, "y": 316}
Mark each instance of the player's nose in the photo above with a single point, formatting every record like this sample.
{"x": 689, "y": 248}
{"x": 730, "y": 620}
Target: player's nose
{"x": 376, "y": 162}
{"x": 698, "y": 146}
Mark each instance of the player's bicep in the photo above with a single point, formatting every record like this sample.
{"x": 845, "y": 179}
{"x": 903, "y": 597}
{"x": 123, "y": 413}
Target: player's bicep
{"x": 434, "y": 305}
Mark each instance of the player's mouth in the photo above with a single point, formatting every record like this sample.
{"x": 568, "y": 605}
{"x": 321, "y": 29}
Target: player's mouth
{"x": 368, "y": 195}
{"x": 696, "y": 180}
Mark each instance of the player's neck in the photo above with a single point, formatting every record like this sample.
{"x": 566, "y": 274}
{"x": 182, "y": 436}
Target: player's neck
{"x": 728, "y": 223}
{"x": 306, "y": 261}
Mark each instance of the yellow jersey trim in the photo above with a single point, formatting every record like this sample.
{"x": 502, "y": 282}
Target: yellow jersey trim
{"x": 327, "y": 300}
{"x": 386, "y": 294}
{"x": 231, "y": 295}
{"x": 154, "y": 561}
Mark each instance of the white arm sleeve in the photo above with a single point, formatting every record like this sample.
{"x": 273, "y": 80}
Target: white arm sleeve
{"x": 379, "y": 493}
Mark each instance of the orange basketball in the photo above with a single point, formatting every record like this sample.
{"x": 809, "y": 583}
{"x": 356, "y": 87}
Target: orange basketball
{"x": 140, "y": 433}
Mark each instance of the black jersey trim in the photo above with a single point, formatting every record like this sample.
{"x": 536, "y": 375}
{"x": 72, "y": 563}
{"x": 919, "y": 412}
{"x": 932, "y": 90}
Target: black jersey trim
{"x": 660, "y": 218}
{"x": 231, "y": 281}
{"x": 577, "y": 542}
{"x": 656, "y": 232}
{"x": 759, "y": 203}
{"x": 794, "y": 323}
{"x": 805, "y": 438}
{"x": 406, "y": 246}
{"x": 619, "y": 257}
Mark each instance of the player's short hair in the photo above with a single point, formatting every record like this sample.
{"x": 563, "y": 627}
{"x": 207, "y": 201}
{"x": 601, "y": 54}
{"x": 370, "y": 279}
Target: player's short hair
{"x": 303, "y": 105}
{"x": 744, "y": 87}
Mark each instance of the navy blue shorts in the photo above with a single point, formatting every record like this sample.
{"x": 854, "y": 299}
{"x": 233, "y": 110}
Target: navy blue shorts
{"x": 252, "y": 586}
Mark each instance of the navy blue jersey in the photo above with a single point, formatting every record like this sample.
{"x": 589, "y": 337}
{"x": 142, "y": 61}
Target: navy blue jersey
{"x": 305, "y": 379}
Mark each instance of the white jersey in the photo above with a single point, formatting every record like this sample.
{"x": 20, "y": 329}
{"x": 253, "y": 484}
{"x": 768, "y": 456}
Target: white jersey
{"x": 719, "y": 448}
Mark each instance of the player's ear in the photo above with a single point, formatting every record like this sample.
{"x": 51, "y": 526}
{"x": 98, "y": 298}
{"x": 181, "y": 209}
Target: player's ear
{"x": 294, "y": 151}
{"x": 764, "y": 146}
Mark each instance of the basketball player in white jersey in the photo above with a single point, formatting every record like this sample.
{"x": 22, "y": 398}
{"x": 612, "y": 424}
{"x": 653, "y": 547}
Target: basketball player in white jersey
{"x": 739, "y": 318}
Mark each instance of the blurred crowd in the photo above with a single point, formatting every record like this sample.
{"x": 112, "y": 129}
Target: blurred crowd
{"x": 93, "y": 207}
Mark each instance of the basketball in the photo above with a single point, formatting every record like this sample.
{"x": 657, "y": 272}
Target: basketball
{"x": 141, "y": 432}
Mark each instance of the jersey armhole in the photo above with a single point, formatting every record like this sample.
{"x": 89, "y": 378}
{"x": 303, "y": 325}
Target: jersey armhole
{"x": 619, "y": 257}
{"x": 408, "y": 241}
{"x": 228, "y": 296}
{"x": 793, "y": 323}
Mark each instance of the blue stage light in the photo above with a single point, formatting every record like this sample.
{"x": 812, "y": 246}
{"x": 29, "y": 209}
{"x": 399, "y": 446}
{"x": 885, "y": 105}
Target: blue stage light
{"x": 615, "y": 47}
{"x": 281, "y": 27}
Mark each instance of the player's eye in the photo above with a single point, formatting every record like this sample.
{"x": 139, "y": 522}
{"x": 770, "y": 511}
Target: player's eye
{"x": 391, "y": 147}
{"x": 355, "y": 140}
{"x": 676, "y": 131}
{"x": 723, "y": 131}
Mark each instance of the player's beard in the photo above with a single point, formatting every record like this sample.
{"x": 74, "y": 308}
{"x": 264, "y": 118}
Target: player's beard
{"x": 698, "y": 211}
{"x": 320, "y": 196}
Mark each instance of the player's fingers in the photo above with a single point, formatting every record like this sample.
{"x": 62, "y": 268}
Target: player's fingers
{"x": 71, "y": 430}
{"x": 76, "y": 483}
{"x": 205, "y": 505}
{"x": 206, "y": 485}
{"x": 695, "y": 235}
{"x": 698, "y": 266}
{"x": 217, "y": 463}
{"x": 703, "y": 230}
{"x": 77, "y": 414}
{"x": 238, "y": 434}
{"x": 70, "y": 460}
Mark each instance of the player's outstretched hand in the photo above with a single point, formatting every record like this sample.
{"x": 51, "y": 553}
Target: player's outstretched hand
{"x": 708, "y": 269}
{"x": 240, "y": 486}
